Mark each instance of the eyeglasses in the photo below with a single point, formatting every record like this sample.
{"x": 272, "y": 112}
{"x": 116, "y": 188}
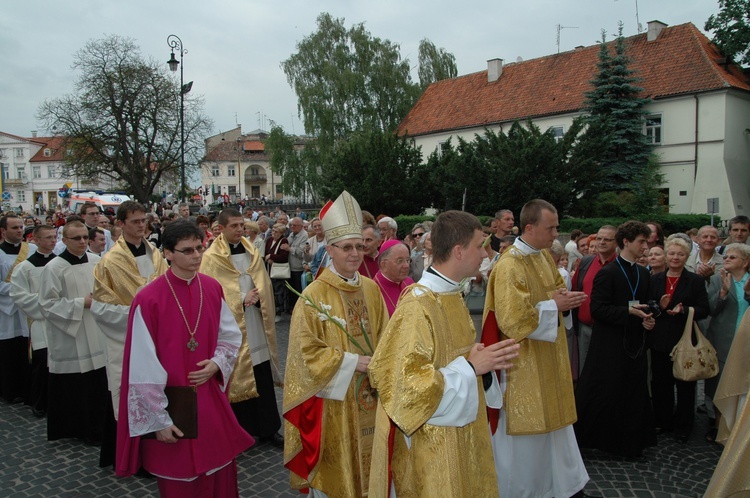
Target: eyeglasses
{"x": 732, "y": 256}
{"x": 349, "y": 247}
{"x": 191, "y": 250}
{"x": 417, "y": 234}
{"x": 78, "y": 237}
{"x": 399, "y": 261}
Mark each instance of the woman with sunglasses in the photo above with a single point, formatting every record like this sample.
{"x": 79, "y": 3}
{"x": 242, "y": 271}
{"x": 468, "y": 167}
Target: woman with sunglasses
{"x": 275, "y": 254}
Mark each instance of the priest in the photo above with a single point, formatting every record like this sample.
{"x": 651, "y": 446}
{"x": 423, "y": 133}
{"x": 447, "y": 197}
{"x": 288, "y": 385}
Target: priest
{"x": 24, "y": 291}
{"x": 123, "y": 271}
{"x": 533, "y": 440}
{"x": 393, "y": 276}
{"x": 329, "y": 407}
{"x": 14, "y": 329}
{"x": 431, "y": 434}
{"x": 180, "y": 333}
{"x": 77, "y": 383}
{"x": 235, "y": 262}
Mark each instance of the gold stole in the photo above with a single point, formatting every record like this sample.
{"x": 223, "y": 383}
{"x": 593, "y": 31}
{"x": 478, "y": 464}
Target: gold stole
{"x": 23, "y": 253}
{"x": 217, "y": 263}
{"x": 117, "y": 278}
{"x": 357, "y": 321}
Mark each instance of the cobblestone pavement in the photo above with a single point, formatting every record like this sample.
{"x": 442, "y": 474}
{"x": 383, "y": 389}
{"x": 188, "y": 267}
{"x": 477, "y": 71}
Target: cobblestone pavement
{"x": 30, "y": 466}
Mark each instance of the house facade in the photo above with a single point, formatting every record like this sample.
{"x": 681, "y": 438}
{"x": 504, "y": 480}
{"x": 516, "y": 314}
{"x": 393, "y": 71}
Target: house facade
{"x": 697, "y": 118}
{"x": 236, "y": 165}
{"x": 33, "y": 171}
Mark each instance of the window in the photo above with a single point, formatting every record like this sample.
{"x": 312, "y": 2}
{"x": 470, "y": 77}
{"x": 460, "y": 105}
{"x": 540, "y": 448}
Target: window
{"x": 442, "y": 147}
{"x": 278, "y": 190}
{"x": 254, "y": 171}
{"x": 653, "y": 129}
{"x": 51, "y": 171}
{"x": 20, "y": 196}
{"x": 19, "y": 152}
{"x": 47, "y": 152}
{"x": 36, "y": 172}
{"x": 6, "y": 170}
{"x": 2, "y": 152}
{"x": 21, "y": 172}
{"x": 215, "y": 170}
{"x": 232, "y": 190}
{"x": 70, "y": 152}
{"x": 558, "y": 132}
{"x": 231, "y": 170}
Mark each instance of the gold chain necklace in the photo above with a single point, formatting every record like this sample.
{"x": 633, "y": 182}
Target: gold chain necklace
{"x": 192, "y": 343}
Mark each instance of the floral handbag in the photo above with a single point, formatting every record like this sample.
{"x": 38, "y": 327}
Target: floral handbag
{"x": 693, "y": 362}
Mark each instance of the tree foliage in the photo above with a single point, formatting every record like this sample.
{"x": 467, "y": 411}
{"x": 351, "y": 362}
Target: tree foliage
{"x": 435, "y": 64}
{"x": 731, "y": 29}
{"x": 507, "y": 169}
{"x": 296, "y": 160}
{"x": 122, "y": 120}
{"x": 615, "y": 118}
{"x": 381, "y": 170}
{"x": 346, "y": 80}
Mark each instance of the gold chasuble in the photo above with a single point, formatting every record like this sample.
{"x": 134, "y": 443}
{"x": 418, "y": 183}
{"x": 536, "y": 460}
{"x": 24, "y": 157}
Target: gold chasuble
{"x": 328, "y": 443}
{"x": 427, "y": 332}
{"x": 117, "y": 278}
{"x": 217, "y": 263}
{"x": 732, "y": 474}
{"x": 539, "y": 395}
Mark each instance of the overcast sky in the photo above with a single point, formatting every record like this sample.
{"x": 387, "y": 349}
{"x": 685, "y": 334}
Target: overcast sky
{"x": 235, "y": 46}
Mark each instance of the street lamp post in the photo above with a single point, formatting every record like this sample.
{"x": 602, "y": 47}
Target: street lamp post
{"x": 240, "y": 143}
{"x": 174, "y": 42}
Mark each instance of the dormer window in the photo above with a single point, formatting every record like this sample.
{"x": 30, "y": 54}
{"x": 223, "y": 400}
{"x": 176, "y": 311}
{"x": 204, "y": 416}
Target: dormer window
{"x": 47, "y": 152}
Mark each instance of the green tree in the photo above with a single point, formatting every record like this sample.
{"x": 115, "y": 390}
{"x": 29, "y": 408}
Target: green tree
{"x": 615, "y": 118}
{"x": 435, "y": 64}
{"x": 122, "y": 120}
{"x": 295, "y": 160}
{"x": 731, "y": 29}
{"x": 507, "y": 169}
{"x": 346, "y": 80}
{"x": 381, "y": 170}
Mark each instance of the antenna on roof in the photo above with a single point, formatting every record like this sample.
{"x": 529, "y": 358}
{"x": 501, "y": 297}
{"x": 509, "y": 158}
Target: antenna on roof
{"x": 637, "y": 18}
{"x": 560, "y": 28}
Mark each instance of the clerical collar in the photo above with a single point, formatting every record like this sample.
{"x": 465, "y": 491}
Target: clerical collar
{"x": 353, "y": 281}
{"x": 38, "y": 259}
{"x": 525, "y": 247}
{"x": 136, "y": 251}
{"x": 631, "y": 263}
{"x": 237, "y": 248}
{"x": 432, "y": 270}
{"x": 388, "y": 279}
{"x": 187, "y": 281}
{"x": 9, "y": 248}
{"x": 73, "y": 259}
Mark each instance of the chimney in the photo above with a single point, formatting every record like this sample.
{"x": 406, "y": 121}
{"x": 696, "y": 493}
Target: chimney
{"x": 494, "y": 69}
{"x": 654, "y": 30}
{"x": 33, "y": 133}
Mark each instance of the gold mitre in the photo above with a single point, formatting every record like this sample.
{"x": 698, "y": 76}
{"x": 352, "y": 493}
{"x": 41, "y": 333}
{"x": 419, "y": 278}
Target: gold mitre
{"x": 342, "y": 218}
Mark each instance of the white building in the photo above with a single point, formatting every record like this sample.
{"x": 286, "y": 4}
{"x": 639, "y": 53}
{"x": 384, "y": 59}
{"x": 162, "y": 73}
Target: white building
{"x": 33, "y": 170}
{"x": 698, "y": 118}
{"x": 237, "y": 165}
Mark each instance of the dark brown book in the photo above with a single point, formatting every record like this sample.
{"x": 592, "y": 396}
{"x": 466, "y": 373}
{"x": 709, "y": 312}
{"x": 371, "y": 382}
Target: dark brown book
{"x": 182, "y": 406}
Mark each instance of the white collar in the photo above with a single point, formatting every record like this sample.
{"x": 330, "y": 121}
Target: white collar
{"x": 524, "y": 247}
{"x": 353, "y": 281}
{"x": 437, "y": 282}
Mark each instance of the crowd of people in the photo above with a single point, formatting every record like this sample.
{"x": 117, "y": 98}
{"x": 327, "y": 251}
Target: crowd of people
{"x": 153, "y": 335}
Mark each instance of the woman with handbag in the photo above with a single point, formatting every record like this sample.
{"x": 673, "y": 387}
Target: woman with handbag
{"x": 676, "y": 290}
{"x": 728, "y": 298}
{"x": 278, "y": 258}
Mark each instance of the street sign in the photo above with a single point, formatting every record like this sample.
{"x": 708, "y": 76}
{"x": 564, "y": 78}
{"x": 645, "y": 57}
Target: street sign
{"x": 6, "y": 196}
{"x": 713, "y": 205}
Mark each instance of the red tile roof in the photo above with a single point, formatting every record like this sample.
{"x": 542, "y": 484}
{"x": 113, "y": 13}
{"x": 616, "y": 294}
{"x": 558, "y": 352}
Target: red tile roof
{"x": 56, "y": 146}
{"x": 681, "y": 60}
{"x": 227, "y": 151}
{"x": 254, "y": 146}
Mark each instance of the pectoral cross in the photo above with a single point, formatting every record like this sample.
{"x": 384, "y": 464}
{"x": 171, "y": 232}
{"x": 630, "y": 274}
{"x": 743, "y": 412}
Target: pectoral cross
{"x": 192, "y": 344}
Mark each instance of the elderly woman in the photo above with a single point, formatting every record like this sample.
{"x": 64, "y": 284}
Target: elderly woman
{"x": 675, "y": 289}
{"x": 728, "y": 295}
{"x": 251, "y": 232}
{"x": 275, "y": 254}
{"x": 421, "y": 260}
{"x": 393, "y": 276}
{"x": 657, "y": 260}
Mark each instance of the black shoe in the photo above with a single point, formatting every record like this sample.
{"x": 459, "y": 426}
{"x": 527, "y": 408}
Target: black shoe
{"x": 702, "y": 408}
{"x": 38, "y": 413}
{"x": 276, "y": 440}
{"x": 711, "y": 435}
{"x": 682, "y": 438}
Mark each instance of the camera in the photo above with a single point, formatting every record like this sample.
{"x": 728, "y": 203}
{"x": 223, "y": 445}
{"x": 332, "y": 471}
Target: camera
{"x": 654, "y": 308}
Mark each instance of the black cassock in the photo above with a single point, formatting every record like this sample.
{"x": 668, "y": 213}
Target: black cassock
{"x": 612, "y": 400}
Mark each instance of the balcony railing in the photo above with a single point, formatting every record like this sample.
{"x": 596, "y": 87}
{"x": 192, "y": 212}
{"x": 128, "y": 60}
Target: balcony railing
{"x": 256, "y": 178}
